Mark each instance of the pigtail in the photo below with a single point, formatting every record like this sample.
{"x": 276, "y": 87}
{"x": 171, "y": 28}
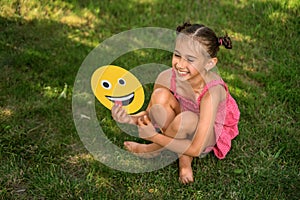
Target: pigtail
{"x": 182, "y": 27}
{"x": 225, "y": 41}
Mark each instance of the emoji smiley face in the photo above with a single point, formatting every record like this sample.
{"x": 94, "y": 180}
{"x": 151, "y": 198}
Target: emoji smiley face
{"x": 112, "y": 84}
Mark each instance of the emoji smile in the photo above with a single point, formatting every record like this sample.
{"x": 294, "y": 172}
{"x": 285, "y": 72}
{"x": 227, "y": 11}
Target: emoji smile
{"x": 125, "y": 100}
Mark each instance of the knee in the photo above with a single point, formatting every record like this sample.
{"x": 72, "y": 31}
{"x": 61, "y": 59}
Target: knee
{"x": 186, "y": 123}
{"x": 161, "y": 96}
{"x": 191, "y": 120}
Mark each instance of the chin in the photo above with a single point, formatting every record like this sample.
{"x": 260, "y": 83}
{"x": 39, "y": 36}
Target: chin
{"x": 183, "y": 78}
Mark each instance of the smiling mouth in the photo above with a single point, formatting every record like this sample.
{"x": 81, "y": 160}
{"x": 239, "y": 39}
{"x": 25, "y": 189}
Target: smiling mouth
{"x": 182, "y": 73}
{"x": 125, "y": 100}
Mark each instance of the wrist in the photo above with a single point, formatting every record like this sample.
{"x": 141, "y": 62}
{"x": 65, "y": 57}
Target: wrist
{"x": 154, "y": 137}
{"x": 132, "y": 121}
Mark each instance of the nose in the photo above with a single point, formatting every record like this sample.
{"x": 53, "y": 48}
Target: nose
{"x": 181, "y": 63}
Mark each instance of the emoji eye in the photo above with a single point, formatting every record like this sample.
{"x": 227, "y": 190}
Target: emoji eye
{"x": 122, "y": 82}
{"x": 106, "y": 84}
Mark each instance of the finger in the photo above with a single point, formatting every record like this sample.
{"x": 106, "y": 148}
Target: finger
{"x": 119, "y": 110}
{"x": 119, "y": 103}
{"x": 122, "y": 110}
{"x": 113, "y": 113}
{"x": 116, "y": 105}
{"x": 114, "y": 109}
{"x": 140, "y": 121}
{"x": 146, "y": 120}
{"x": 123, "y": 114}
{"x": 116, "y": 112}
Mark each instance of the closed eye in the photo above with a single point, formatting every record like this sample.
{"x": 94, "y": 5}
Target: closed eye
{"x": 177, "y": 55}
{"x": 190, "y": 60}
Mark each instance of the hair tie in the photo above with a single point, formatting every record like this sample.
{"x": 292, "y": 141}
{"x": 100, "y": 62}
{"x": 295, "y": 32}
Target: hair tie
{"x": 220, "y": 41}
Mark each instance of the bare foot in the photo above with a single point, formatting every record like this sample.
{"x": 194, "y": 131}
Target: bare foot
{"x": 185, "y": 169}
{"x": 143, "y": 150}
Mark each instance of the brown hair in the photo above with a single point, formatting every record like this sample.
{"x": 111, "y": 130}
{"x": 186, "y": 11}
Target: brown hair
{"x": 205, "y": 36}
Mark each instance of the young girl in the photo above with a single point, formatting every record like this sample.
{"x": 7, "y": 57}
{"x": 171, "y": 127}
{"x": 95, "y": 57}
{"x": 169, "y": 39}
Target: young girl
{"x": 190, "y": 104}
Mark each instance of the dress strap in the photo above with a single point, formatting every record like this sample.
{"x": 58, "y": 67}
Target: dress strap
{"x": 210, "y": 85}
{"x": 173, "y": 82}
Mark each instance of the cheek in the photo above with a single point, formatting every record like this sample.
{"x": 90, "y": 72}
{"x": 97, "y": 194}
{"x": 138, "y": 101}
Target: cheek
{"x": 174, "y": 60}
{"x": 173, "y": 63}
{"x": 195, "y": 69}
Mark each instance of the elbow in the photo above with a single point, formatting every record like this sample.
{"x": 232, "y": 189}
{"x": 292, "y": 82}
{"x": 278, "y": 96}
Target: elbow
{"x": 194, "y": 155}
{"x": 195, "y": 150}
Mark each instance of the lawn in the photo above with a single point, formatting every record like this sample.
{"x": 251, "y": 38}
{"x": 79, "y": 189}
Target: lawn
{"x": 43, "y": 45}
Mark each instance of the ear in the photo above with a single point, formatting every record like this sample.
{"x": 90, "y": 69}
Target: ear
{"x": 211, "y": 63}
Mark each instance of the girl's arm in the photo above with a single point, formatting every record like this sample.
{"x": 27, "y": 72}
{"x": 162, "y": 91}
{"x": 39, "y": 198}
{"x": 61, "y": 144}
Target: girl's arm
{"x": 120, "y": 115}
{"x": 203, "y": 133}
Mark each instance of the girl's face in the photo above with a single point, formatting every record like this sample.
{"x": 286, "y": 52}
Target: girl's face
{"x": 188, "y": 58}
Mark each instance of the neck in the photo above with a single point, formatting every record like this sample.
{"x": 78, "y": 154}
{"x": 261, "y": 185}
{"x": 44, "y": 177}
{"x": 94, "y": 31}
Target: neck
{"x": 198, "y": 82}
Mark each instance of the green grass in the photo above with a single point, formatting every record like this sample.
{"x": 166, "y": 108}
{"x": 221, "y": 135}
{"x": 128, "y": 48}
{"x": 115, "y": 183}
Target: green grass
{"x": 42, "y": 45}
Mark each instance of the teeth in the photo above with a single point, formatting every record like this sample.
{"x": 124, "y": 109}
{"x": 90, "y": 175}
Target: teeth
{"x": 125, "y": 98}
{"x": 182, "y": 73}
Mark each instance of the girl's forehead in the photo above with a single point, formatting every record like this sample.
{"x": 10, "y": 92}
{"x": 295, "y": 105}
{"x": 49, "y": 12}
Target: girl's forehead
{"x": 188, "y": 45}
{"x": 184, "y": 46}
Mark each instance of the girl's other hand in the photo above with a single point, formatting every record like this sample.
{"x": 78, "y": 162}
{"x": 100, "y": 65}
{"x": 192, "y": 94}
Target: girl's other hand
{"x": 120, "y": 115}
{"x": 146, "y": 128}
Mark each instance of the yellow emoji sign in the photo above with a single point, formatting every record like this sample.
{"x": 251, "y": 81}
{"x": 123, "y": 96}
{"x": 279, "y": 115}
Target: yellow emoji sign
{"x": 112, "y": 84}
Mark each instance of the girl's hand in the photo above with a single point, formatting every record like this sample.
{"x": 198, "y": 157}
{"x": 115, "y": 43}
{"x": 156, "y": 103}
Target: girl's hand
{"x": 146, "y": 128}
{"x": 120, "y": 115}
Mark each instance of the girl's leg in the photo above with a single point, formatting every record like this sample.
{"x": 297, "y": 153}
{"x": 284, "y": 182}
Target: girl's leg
{"x": 185, "y": 169}
{"x": 165, "y": 110}
{"x": 184, "y": 126}
{"x": 162, "y": 109}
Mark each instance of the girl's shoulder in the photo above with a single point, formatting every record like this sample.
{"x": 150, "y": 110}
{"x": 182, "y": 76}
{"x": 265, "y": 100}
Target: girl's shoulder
{"x": 166, "y": 73}
{"x": 216, "y": 89}
{"x": 164, "y": 78}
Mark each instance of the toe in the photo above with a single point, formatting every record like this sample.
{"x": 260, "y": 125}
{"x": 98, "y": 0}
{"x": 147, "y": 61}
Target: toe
{"x": 127, "y": 145}
{"x": 186, "y": 180}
